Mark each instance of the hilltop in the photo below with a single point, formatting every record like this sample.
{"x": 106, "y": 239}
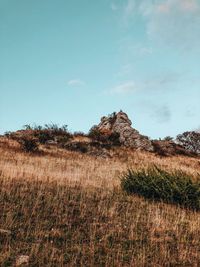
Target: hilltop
{"x": 113, "y": 131}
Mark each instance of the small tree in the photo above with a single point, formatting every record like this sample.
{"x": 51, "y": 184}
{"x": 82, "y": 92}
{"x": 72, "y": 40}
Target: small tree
{"x": 190, "y": 141}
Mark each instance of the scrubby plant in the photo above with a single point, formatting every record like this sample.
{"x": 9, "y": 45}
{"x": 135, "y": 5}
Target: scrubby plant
{"x": 62, "y": 140}
{"x": 190, "y": 141}
{"x": 43, "y": 136}
{"x": 8, "y": 134}
{"x": 28, "y": 144}
{"x": 50, "y": 132}
{"x": 79, "y": 133}
{"x": 27, "y": 127}
{"x": 106, "y": 137}
{"x": 55, "y": 129}
{"x": 112, "y": 117}
{"x": 176, "y": 187}
{"x": 77, "y": 146}
{"x": 168, "y": 138}
{"x": 159, "y": 149}
{"x": 94, "y": 133}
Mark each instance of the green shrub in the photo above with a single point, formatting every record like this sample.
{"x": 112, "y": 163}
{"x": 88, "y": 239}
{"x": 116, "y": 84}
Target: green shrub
{"x": 154, "y": 183}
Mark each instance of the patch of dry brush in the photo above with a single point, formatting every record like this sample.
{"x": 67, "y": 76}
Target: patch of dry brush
{"x": 66, "y": 209}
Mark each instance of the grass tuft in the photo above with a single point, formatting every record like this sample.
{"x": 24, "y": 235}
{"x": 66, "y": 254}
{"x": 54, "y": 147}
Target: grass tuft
{"x": 157, "y": 184}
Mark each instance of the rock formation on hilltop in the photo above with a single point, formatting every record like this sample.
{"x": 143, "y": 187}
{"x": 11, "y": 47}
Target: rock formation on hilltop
{"x": 128, "y": 136}
{"x": 113, "y": 131}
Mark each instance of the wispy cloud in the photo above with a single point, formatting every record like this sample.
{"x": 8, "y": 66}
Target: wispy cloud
{"x": 171, "y": 22}
{"x": 76, "y": 82}
{"x": 159, "y": 112}
{"x": 124, "y": 88}
{"x": 160, "y": 82}
{"x": 175, "y": 23}
{"x": 114, "y": 6}
{"x": 125, "y": 70}
{"x": 129, "y": 7}
{"x": 162, "y": 114}
{"x": 163, "y": 80}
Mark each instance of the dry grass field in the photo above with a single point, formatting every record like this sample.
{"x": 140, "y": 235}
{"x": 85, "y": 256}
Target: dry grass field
{"x": 64, "y": 208}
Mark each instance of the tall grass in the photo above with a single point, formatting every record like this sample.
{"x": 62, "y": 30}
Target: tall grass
{"x": 61, "y": 225}
{"x": 172, "y": 187}
{"x": 64, "y": 208}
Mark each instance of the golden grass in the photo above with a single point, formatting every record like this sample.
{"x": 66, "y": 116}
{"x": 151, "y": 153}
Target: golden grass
{"x": 72, "y": 167}
{"x": 66, "y": 209}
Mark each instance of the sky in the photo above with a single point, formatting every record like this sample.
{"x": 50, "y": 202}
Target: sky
{"x": 74, "y": 61}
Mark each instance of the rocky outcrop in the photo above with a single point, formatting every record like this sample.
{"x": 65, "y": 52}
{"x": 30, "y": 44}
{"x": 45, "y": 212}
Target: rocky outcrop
{"x": 128, "y": 136}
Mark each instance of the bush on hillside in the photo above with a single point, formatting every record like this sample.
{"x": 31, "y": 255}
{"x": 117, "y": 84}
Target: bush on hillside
{"x": 106, "y": 137}
{"x": 43, "y": 136}
{"x": 190, "y": 141}
{"x": 168, "y": 138}
{"x": 48, "y": 132}
{"x": 28, "y": 144}
{"x": 77, "y": 146}
{"x": 157, "y": 184}
{"x": 94, "y": 133}
{"x": 79, "y": 133}
{"x": 63, "y": 140}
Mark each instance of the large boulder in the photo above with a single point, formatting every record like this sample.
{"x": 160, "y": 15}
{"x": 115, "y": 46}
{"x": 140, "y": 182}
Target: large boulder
{"x": 128, "y": 136}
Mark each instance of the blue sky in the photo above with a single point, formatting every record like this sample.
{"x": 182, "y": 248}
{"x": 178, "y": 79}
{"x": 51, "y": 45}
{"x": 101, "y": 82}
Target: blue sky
{"x": 73, "y": 61}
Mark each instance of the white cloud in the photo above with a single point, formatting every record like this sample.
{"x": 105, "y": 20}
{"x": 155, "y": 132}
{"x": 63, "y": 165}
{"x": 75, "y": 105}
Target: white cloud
{"x": 175, "y": 23}
{"x": 76, "y": 82}
{"x": 124, "y": 88}
{"x": 172, "y": 22}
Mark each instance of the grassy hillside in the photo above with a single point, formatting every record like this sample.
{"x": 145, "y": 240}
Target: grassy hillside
{"x": 64, "y": 208}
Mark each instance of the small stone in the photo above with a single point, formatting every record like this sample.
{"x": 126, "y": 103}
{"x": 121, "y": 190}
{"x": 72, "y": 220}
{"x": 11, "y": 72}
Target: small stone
{"x": 51, "y": 142}
{"x": 22, "y": 260}
{"x": 3, "y": 231}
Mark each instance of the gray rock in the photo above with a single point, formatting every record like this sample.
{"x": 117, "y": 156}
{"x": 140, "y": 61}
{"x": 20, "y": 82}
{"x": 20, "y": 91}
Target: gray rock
{"x": 129, "y": 137}
{"x": 51, "y": 142}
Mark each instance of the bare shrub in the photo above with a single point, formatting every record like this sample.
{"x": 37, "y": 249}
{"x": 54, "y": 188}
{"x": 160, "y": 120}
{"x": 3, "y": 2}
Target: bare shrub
{"x": 190, "y": 141}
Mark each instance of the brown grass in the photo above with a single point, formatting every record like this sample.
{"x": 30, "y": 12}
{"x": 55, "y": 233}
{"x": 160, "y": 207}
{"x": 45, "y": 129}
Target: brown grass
{"x": 66, "y": 209}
